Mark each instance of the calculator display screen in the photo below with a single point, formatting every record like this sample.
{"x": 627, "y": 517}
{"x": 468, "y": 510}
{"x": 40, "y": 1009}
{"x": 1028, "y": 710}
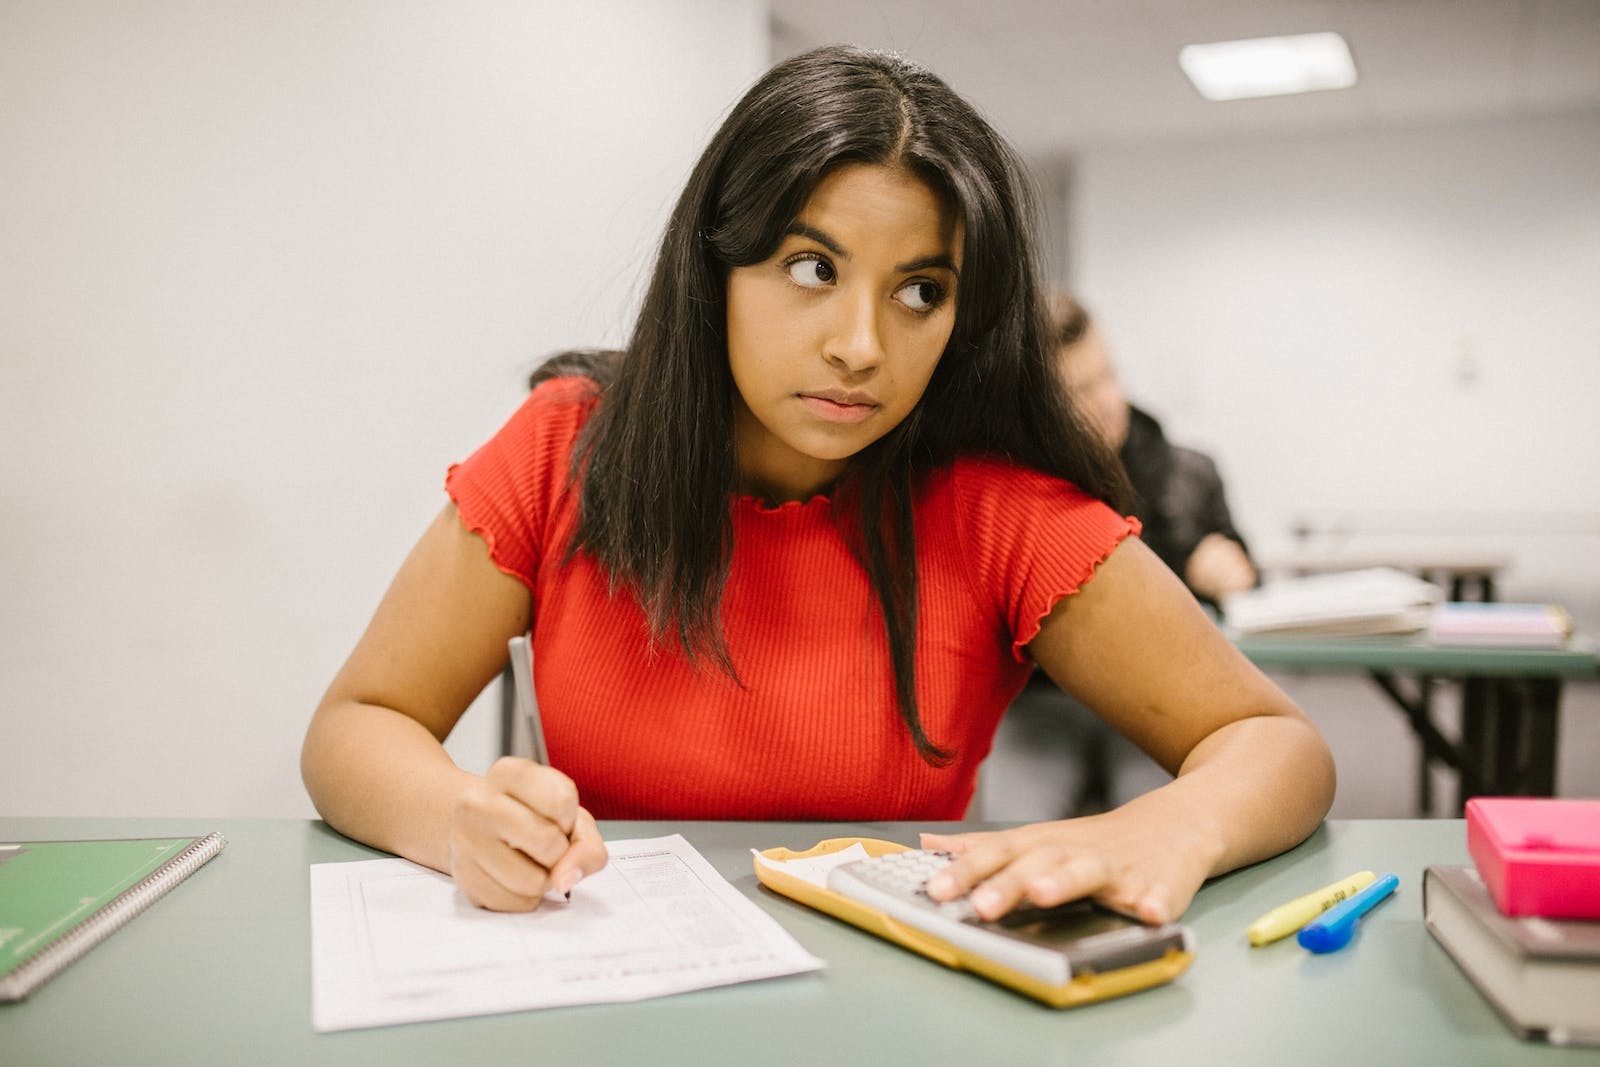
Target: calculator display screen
{"x": 1058, "y": 926}
{"x": 1093, "y": 938}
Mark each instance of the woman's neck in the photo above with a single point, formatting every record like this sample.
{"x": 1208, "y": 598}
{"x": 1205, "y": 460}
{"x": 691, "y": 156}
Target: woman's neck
{"x": 774, "y": 472}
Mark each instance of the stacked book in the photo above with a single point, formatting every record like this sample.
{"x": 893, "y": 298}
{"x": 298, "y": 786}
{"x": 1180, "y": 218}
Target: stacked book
{"x": 1523, "y": 922}
{"x": 1500, "y": 625}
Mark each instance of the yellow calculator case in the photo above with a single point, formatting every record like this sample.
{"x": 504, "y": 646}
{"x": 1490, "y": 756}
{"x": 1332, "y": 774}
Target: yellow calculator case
{"x": 1083, "y": 988}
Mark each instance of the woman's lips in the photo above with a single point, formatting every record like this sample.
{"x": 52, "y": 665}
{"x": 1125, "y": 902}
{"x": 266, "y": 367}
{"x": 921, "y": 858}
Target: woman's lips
{"x": 843, "y": 409}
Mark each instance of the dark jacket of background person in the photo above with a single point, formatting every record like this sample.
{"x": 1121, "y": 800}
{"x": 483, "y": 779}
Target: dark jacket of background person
{"x": 1179, "y": 494}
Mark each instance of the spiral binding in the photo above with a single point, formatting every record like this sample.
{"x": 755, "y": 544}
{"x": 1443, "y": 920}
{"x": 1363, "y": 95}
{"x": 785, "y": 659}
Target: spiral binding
{"x": 109, "y": 919}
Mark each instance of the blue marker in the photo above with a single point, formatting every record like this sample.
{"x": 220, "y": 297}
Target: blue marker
{"x": 1333, "y": 930}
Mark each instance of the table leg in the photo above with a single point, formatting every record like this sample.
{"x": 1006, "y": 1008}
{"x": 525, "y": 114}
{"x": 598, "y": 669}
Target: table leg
{"x": 1435, "y": 746}
{"x": 1542, "y": 733}
{"x": 1477, "y": 740}
{"x": 1424, "y": 763}
{"x": 1508, "y": 736}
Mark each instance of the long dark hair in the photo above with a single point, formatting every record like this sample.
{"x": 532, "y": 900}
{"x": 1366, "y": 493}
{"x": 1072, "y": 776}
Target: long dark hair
{"x": 655, "y": 462}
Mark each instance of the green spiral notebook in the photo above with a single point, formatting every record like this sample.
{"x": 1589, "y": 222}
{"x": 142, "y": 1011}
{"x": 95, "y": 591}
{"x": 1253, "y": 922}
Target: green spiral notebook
{"x": 58, "y": 899}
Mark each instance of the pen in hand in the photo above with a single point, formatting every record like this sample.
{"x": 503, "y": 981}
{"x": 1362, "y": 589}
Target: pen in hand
{"x": 522, "y": 678}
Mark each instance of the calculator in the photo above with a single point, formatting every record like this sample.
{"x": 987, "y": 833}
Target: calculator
{"x": 1051, "y": 945}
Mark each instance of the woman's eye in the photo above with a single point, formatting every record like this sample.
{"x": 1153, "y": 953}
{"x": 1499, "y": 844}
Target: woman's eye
{"x": 921, "y": 295}
{"x": 810, "y": 271}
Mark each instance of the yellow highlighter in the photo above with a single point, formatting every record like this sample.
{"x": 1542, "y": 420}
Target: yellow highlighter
{"x": 1287, "y": 918}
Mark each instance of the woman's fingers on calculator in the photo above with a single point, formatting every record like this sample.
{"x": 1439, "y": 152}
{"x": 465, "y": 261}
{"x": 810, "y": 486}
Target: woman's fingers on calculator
{"x": 954, "y": 844}
{"x": 1054, "y": 876}
{"x": 1046, "y": 864}
{"x": 998, "y": 871}
{"x": 1045, "y": 876}
{"x": 959, "y": 878}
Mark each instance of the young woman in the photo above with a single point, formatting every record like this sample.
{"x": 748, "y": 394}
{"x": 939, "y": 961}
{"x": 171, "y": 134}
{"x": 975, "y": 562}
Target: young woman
{"x": 792, "y": 552}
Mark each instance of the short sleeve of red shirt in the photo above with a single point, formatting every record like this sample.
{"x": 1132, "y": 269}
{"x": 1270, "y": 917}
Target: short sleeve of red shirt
{"x": 1030, "y": 539}
{"x": 513, "y": 491}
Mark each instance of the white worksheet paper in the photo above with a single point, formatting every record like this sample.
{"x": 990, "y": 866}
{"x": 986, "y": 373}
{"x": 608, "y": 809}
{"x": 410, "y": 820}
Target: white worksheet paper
{"x": 394, "y": 942}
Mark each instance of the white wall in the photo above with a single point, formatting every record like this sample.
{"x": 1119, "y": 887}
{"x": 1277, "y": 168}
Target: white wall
{"x": 1403, "y": 321}
{"x": 266, "y": 269}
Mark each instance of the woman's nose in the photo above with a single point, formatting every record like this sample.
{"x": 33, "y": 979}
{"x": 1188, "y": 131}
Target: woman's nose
{"x": 855, "y": 343}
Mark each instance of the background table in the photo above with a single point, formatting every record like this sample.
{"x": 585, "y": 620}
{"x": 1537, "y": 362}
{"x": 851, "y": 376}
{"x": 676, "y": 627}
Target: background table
{"x": 1510, "y": 701}
{"x": 219, "y": 972}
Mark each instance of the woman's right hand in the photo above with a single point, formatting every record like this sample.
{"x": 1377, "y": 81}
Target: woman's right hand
{"x": 519, "y": 832}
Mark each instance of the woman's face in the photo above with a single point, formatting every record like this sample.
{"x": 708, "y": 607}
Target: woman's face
{"x": 833, "y": 338}
{"x": 1091, "y": 380}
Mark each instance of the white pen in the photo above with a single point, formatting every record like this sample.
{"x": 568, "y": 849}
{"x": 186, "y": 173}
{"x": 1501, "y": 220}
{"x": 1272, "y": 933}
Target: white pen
{"x": 522, "y": 677}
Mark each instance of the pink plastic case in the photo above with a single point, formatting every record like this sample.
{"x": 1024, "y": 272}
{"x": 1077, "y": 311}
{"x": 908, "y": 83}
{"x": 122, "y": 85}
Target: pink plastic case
{"x": 1538, "y": 856}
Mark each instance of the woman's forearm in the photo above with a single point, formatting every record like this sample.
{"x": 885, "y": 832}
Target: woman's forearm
{"x": 380, "y": 777}
{"x": 1254, "y": 788}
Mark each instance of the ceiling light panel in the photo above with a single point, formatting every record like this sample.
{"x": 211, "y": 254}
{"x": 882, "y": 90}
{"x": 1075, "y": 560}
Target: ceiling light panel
{"x": 1269, "y": 66}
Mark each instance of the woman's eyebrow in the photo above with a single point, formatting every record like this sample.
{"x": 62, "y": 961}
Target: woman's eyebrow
{"x": 941, "y": 260}
{"x": 800, "y": 229}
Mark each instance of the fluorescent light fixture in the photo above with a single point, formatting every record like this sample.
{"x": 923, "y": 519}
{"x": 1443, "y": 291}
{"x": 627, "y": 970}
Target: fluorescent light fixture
{"x": 1269, "y": 66}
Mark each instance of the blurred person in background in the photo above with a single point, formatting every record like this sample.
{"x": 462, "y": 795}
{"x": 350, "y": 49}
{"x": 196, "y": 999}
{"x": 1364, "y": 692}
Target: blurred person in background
{"x": 1179, "y": 494}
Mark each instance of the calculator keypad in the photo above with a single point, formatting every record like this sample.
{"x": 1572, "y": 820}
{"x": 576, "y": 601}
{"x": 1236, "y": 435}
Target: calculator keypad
{"x": 906, "y": 874}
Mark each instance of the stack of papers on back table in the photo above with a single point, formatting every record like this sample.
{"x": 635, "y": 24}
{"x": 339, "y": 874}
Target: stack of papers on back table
{"x": 1377, "y": 600}
{"x": 1500, "y": 625}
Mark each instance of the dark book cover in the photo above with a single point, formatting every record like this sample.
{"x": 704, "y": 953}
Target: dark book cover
{"x": 1541, "y": 975}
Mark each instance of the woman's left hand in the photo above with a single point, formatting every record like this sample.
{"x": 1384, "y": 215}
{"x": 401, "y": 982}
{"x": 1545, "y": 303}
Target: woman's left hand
{"x": 1132, "y": 860}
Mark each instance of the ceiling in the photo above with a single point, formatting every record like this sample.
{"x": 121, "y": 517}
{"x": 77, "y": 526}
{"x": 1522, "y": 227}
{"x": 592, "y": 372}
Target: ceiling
{"x": 1057, "y": 76}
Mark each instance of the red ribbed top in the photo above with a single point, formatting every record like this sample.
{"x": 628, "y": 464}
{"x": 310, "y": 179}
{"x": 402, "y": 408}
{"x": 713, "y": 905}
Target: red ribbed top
{"x": 814, "y": 733}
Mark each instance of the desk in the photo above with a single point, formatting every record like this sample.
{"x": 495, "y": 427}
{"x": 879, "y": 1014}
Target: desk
{"x": 219, "y": 972}
{"x": 1509, "y": 708}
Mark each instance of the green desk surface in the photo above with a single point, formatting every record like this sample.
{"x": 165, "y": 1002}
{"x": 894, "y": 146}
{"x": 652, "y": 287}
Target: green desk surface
{"x": 218, "y": 972}
{"x": 1414, "y": 653}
